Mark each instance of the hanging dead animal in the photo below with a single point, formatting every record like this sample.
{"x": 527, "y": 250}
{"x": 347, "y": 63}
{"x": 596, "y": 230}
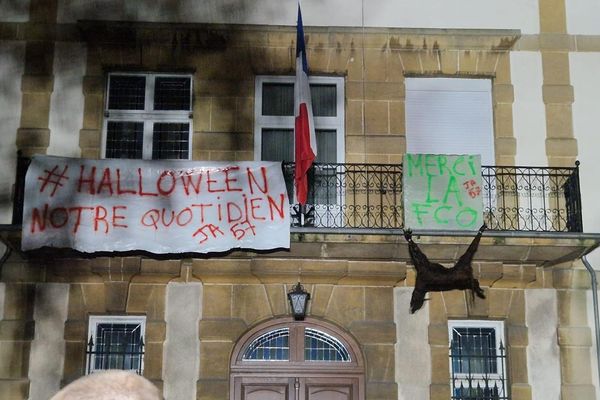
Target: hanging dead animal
{"x": 433, "y": 277}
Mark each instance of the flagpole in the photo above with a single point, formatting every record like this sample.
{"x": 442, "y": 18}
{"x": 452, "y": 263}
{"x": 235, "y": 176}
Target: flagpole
{"x": 305, "y": 143}
{"x": 302, "y": 209}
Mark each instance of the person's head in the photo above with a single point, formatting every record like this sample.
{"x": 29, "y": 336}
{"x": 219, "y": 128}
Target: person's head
{"x": 109, "y": 385}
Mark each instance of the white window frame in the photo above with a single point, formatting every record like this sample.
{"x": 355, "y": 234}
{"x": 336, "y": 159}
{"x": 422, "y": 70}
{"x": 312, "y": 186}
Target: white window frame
{"x": 95, "y": 320}
{"x": 287, "y": 122}
{"x": 148, "y": 116}
{"x": 498, "y": 327}
{"x": 484, "y": 144}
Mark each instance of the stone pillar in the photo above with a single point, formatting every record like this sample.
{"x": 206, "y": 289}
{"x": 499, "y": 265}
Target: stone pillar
{"x": 33, "y": 135}
{"x": 47, "y": 356}
{"x": 557, "y": 92}
{"x": 227, "y": 311}
{"x": 413, "y": 373}
{"x": 66, "y": 108}
{"x": 12, "y": 56}
{"x": 505, "y": 143}
{"x": 147, "y": 295}
{"x": 182, "y": 346}
{"x": 90, "y": 136}
{"x": 543, "y": 358}
{"x": 16, "y": 332}
{"x": 574, "y": 334}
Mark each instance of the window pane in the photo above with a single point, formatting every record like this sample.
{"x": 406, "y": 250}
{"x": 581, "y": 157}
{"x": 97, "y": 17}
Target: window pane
{"x": 325, "y": 177}
{"x": 278, "y": 99}
{"x": 124, "y": 139}
{"x": 324, "y": 99}
{"x": 273, "y": 345}
{"x": 319, "y": 346}
{"x": 172, "y": 93}
{"x": 277, "y": 145}
{"x": 474, "y": 350}
{"x": 170, "y": 141}
{"x": 118, "y": 346}
{"x": 326, "y": 146}
{"x": 126, "y": 92}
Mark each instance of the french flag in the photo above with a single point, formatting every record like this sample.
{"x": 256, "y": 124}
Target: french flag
{"x": 305, "y": 139}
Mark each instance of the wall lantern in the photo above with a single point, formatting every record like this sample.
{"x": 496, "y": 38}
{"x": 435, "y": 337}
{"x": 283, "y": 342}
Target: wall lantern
{"x": 298, "y": 298}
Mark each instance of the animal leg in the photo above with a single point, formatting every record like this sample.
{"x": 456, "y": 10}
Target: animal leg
{"x": 417, "y": 299}
{"x": 478, "y": 290}
{"x": 419, "y": 258}
{"x": 475, "y": 289}
{"x": 465, "y": 259}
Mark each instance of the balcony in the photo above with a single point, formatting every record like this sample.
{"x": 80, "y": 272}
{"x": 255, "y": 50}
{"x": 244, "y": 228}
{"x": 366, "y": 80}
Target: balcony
{"x": 355, "y": 212}
{"x": 369, "y": 197}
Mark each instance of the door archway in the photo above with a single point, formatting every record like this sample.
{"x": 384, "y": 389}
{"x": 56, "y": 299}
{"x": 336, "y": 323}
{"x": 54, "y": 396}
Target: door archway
{"x": 283, "y": 359}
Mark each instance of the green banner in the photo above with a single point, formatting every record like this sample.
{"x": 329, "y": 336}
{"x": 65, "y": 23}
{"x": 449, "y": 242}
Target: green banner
{"x": 442, "y": 191}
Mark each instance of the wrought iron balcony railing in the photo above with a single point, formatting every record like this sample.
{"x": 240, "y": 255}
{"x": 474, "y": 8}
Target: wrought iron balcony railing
{"x": 369, "y": 196}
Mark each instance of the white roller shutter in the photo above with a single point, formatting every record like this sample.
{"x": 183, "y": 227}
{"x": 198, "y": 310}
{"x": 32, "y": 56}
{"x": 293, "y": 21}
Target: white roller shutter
{"x": 450, "y": 116}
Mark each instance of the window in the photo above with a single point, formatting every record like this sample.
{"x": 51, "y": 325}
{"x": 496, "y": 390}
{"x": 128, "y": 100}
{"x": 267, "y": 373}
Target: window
{"x": 296, "y": 342}
{"x": 116, "y": 342}
{"x": 274, "y": 129}
{"x": 148, "y": 116}
{"x": 274, "y": 345}
{"x": 450, "y": 116}
{"x": 454, "y": 116}
{"x": 319, "y": 346}
{"x": 477, "y": 360}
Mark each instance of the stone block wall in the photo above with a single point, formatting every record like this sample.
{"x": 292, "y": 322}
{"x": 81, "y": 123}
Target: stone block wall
{"x": 231, "y": 309}
{"x": 507, "y": 305}
{"x": 505, "y": 286}
{"x": 112, "y": 286}
{"x": 226, "y": 60}
{"x": 16, "y": 334}
{"x": 238, "y": 292}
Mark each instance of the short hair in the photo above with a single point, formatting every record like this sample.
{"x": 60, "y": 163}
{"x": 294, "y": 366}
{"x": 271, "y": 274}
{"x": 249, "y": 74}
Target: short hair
{"x": 109, "y": 385}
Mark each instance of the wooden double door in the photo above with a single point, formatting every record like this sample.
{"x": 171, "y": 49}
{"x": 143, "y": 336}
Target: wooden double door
{"x": 285, "y": 359}
{"x": 296, "y": 388}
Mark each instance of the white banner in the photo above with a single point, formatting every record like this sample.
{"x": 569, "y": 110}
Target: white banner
{"x": 157, "y": 206}
{"x": 442, "y": 191}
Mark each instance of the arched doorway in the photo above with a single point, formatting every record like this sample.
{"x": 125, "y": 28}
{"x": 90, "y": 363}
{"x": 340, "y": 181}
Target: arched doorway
{"x": 284, "y": 359}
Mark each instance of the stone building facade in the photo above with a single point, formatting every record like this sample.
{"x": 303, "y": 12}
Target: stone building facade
{"x": 199, "y": 309}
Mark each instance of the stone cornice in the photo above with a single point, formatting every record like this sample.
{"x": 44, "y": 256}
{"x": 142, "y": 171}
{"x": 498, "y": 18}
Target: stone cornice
{"x": 508, "y": 247}
{"x": 216, "y": 35}
{"x": 396, "y": 38}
